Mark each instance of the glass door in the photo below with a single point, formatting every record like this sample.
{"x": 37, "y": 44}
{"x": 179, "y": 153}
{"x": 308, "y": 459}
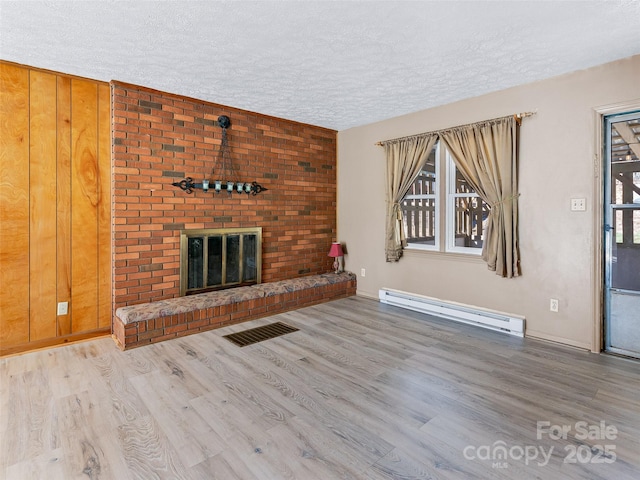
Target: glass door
{"x": 622, "y": 234}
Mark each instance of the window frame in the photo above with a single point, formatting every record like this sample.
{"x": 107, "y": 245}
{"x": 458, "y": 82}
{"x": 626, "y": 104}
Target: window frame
{"x": 444, "y": 205}
{"x": 450, "y": 210}
{"x": 436, "y": 197}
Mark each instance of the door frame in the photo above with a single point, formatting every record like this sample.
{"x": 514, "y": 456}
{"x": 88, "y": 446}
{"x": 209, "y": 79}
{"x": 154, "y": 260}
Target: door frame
{"x": 599, "y": 156}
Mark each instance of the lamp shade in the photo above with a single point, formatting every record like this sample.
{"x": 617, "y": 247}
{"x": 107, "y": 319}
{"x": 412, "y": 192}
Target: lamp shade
{"x": 335, "y": 250}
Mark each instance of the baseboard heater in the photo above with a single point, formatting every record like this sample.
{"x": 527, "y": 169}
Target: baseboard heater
{"x": 481, "y": 317}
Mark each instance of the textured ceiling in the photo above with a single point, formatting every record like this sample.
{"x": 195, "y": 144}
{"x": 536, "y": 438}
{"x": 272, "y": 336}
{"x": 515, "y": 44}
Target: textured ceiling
{"x": 335, "y": 64}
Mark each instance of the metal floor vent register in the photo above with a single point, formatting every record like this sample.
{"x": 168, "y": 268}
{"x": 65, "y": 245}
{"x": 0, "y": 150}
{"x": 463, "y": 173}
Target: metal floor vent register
{"x": 258, "y": 334}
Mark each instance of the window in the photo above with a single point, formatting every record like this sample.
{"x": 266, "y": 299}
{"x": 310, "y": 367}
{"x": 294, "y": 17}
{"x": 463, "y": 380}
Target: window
{"x": 456, "y": 210}
{"x": 420, "y": 214}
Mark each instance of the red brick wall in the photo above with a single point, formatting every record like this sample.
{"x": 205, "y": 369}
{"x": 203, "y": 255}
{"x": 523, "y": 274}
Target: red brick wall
{"x": 160, "y": 138}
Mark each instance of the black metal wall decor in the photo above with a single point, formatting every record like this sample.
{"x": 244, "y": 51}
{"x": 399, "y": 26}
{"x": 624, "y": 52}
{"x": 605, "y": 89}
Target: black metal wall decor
{"x": 225, "y": 181}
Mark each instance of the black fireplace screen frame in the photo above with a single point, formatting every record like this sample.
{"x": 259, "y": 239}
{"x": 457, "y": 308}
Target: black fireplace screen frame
{"x": 219, "y": 258}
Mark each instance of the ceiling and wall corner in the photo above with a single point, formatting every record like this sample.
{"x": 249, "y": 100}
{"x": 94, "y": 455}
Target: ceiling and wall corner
{"x": 331, "y": 64}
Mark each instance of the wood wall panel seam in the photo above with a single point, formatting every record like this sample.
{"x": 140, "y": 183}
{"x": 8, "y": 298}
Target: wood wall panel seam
{"x": 42, "y": 206}
{"x": 63, "y": 200}
{"x": 84, "y": 198}
{"x": 104, "y": 208}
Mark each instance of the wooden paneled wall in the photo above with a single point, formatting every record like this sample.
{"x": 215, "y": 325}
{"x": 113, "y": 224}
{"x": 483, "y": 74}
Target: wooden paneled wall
{"x": 55, "y": 207}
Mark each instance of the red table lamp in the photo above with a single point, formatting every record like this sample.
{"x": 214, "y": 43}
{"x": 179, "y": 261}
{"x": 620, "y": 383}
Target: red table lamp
{"x": 336, "y": 252}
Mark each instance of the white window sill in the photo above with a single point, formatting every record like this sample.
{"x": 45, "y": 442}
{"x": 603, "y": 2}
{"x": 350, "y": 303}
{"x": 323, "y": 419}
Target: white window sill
{"x": 457, "y": 256}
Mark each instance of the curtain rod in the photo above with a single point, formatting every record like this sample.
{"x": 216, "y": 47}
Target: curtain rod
{"x": 517, "y": 116}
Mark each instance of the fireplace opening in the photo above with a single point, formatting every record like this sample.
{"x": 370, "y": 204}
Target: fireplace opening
{"x": 219, "y": 258}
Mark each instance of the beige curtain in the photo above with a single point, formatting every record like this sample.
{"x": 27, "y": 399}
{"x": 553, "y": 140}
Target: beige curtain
{"x": 405, "y": 158}
{"x": 486, "y": 155}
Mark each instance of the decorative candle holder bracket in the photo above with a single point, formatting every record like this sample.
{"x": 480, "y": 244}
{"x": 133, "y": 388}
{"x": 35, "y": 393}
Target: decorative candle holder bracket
{"x": 226, "y": 173}
{"x": 189, "y": 186}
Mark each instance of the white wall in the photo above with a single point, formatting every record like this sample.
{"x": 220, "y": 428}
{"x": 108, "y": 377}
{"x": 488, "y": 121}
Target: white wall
{"x": 558, "y": 247}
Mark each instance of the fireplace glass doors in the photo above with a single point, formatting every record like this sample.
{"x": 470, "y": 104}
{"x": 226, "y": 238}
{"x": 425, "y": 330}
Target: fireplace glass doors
{"x": 215, "y": 259}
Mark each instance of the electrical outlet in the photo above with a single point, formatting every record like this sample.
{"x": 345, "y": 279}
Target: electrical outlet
{"x": 63, "y": 308}
{"x": 362, "y": 272}
{"x": 578, "y": 204}
{"x": 553, "y": 305}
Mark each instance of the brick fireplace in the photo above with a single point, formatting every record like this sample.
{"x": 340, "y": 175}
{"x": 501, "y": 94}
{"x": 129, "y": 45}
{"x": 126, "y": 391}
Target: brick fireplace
{"x": 160, "y": 138}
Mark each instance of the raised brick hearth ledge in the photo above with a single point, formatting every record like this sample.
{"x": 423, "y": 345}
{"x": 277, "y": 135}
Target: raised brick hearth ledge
{"x": 137, "y": 325}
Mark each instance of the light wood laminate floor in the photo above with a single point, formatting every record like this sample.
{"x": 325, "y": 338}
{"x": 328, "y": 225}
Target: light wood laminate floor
{"x": 362, "y": 391}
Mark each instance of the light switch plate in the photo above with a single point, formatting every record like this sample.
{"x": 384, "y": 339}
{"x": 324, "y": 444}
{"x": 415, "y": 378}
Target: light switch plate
{"x": 578, "y": 204}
